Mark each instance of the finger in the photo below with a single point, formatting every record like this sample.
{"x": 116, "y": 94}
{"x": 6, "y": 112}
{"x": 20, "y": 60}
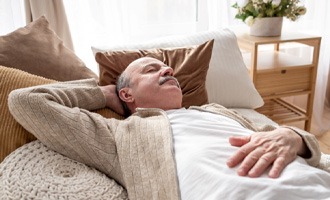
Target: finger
{"x": 262, "y": 164}
{"x": 240, "y": 155}
{"x": 278, "y": 166}
{"x": 249, "y": 161}
{"x": 239, "y": 141}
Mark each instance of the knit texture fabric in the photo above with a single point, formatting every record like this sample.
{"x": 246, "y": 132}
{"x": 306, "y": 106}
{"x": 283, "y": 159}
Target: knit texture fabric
{"x": 35, "y": 172}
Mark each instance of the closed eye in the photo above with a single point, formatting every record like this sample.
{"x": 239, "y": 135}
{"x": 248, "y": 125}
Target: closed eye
{"x": 151, "y": 70}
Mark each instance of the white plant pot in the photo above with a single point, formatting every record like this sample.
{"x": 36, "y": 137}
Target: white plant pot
{"x": 268, "y": 26}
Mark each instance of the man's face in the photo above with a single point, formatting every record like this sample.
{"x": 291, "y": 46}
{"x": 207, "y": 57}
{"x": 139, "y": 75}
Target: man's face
{"x": 152, "y": 85}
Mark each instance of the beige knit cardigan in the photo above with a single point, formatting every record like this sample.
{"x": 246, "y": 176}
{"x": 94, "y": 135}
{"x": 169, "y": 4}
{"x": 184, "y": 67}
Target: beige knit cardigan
{"x": 137, "y": 152}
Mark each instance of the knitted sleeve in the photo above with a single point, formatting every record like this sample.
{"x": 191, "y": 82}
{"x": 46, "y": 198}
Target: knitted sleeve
{"x": 57, "y": 114}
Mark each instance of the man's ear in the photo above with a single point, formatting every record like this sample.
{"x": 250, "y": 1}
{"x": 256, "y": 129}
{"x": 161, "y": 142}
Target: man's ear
{"x": 125, "y": 95}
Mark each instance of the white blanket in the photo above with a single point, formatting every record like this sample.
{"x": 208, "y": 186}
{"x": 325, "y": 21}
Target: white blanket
{"x": 201, "y": 152}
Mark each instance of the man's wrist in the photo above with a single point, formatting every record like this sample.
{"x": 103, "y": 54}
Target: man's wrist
{"x": 106, "y": 93}
{"x": 112, "y": 101}
{"x": 302, "y": 148}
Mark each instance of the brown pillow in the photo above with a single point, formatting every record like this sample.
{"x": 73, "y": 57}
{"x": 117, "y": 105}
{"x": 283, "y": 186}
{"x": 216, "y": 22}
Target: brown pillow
{"x": 12, "y": 134}
{"x": 190, "y": 68}
{"x": 37, "y": 49}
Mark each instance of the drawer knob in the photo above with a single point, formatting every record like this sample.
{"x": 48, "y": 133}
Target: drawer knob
{"x": 283, "y": 71}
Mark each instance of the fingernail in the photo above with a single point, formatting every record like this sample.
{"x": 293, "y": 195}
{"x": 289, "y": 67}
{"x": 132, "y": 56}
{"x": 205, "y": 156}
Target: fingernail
{"x": 252, "y": 173}
{"x": 230, "y": 163}
{"x": 273, "y": 174}
{"x": 241, "y": 172}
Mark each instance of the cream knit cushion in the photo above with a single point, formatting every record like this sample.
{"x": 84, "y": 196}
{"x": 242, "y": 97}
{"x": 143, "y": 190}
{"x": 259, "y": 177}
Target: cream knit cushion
{"x": 35, "y": 172}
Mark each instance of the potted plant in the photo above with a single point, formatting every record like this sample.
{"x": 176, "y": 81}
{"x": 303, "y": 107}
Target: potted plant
{"x": 265, "y": 16}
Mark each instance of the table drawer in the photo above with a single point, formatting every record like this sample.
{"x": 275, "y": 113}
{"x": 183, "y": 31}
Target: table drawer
{"x": 283, "y": 81}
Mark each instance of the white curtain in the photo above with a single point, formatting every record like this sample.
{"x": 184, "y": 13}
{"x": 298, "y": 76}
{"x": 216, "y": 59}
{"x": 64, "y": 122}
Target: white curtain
{"x": 12, "y": 15}
{"x": 111, "y": 22}
{"x": 55, "y": 13}
{"x": 319, "y": 22}
{"x": 17, "y": 13}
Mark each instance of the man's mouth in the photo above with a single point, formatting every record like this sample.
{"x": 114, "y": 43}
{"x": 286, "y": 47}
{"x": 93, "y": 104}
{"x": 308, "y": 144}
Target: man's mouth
{"x": 169, "y": 78}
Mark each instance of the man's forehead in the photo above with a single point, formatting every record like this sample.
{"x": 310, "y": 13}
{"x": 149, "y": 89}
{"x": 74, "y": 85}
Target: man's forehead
{"x": 141, "y": 63}
{"x": 147, "y": 61}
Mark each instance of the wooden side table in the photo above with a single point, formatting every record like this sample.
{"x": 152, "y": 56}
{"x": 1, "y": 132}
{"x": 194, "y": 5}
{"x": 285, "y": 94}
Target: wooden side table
{"x": 277, "y": 74}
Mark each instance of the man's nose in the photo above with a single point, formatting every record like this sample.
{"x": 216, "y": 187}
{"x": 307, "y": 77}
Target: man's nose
{"x": 167, "y": 71}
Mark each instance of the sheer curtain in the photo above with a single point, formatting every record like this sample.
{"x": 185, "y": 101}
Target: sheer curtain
{"x": 55, "y": 14}
{"x": 111, "y": 22}
{"x": 17, "y": 13}
{"x": 12, "y": 15}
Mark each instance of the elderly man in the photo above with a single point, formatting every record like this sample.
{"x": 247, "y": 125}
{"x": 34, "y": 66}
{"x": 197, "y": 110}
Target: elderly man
{"x": 164, "y": 151}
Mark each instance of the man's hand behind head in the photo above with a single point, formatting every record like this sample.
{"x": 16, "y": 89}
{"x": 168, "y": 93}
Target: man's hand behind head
{"x": 112, "y": 100}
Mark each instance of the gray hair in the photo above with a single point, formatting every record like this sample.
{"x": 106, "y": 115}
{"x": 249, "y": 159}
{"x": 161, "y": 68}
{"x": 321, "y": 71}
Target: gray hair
{"x": 122, "y": 82}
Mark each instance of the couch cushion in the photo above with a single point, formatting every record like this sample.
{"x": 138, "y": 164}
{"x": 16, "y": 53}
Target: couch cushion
{"x": 37, "y": 49}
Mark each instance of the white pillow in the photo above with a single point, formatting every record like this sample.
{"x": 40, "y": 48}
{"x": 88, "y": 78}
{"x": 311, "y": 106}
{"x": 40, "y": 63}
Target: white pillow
{"x": 227, "y": 82}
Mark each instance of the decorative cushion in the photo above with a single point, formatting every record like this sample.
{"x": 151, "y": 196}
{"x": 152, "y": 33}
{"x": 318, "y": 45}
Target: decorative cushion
{"x": 12, "y": 134}
{"x": 190, "y": 66}
{"x": 37, "y": 49}
{"x": 227, "y": 82}
{"x": 35, "y": 172}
